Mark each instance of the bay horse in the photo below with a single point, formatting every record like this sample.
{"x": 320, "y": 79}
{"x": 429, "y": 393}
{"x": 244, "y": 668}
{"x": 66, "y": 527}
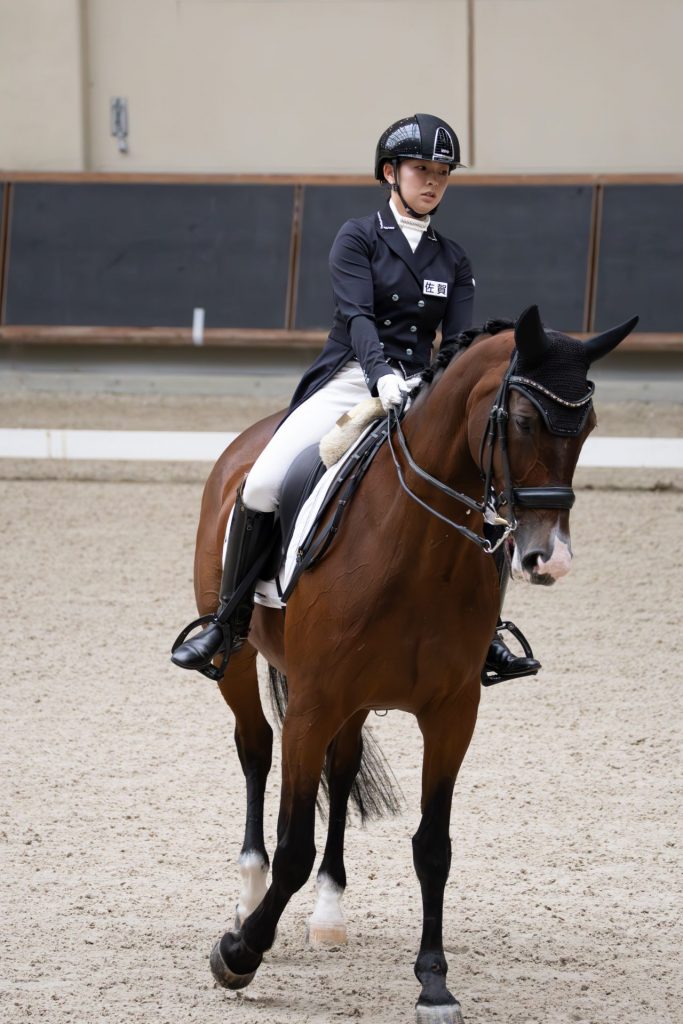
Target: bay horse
{"x": 399, "y": 614}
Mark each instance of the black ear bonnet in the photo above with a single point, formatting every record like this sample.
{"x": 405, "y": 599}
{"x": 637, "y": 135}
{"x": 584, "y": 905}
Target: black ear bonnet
{"x": 551, "y": 370}
{"x": 558, "y": 386}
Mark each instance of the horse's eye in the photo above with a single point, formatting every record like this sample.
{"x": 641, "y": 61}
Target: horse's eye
{"x": 524, "y": 424}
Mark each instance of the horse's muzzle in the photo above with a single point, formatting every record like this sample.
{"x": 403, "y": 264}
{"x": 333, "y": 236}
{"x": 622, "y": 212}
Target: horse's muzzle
{"x": 538, "y": 565}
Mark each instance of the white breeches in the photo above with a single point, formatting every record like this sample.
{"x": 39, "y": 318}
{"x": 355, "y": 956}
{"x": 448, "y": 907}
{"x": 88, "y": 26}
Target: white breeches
{"x": 307, "y": 425}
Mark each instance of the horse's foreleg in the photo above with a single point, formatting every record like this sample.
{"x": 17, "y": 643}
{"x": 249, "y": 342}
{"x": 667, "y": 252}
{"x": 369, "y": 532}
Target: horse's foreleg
{"x": 326, "y": 925}
{"x": 305, "y": 737}
{"x": 447, "y": 732}
{"x": 254, "y": 742}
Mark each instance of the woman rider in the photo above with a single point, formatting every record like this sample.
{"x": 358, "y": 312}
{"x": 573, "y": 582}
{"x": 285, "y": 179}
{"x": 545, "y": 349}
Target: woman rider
{"x": 394, "y": 281}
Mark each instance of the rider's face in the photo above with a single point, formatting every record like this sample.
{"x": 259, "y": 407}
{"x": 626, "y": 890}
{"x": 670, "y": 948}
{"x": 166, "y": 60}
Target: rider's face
{"x": 422, "y": 183}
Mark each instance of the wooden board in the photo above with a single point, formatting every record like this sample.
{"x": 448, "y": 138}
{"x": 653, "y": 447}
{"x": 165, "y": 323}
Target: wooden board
{"x": 146, "y": 255}
{"x": 527, "y": 244}
{"x": 640, "y": 267}
{"x": 324, "y": 211}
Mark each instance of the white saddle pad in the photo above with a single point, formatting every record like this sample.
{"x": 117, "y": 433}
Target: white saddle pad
{"x": 267, "y": 590}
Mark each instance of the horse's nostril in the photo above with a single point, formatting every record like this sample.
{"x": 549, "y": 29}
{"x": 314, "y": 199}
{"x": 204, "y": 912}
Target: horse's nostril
{"x": 530, "y": 560}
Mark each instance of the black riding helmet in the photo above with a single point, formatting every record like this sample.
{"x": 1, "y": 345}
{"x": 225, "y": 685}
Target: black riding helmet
{"x": 420, "y": 137}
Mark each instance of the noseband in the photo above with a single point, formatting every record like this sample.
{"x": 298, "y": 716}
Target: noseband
{"x": 496, "y": 434}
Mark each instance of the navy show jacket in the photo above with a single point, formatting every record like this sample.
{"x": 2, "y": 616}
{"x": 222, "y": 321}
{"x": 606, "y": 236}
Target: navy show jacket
{"x": 389, "y": 301}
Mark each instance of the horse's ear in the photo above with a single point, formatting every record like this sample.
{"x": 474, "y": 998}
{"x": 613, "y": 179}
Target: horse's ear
{"x": 601, "y": 344}
{"x": 530, "y": 337}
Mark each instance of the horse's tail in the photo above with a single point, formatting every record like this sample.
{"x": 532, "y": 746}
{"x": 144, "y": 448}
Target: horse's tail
{"x": 375, "y": 792}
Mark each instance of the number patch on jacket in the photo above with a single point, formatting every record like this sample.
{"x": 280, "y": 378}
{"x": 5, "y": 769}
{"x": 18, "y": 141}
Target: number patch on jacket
{"x": 436, "y": 288}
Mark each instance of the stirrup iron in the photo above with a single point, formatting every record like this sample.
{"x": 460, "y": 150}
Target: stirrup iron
{"x": 211, "y": 671}
{"x": 489, "y": 676}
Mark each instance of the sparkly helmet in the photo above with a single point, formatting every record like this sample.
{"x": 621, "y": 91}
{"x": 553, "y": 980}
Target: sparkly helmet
{"x": 420, "y": 137}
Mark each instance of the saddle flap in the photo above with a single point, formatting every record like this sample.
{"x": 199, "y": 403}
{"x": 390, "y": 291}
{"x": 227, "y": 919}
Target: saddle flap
{"x": 302, "y": 476}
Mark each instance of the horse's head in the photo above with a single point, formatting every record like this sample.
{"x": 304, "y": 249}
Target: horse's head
{"x": 548, "y": 399}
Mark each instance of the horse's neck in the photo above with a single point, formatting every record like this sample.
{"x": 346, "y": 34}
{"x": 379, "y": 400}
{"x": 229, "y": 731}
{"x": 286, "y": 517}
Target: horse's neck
{"x": 437, "y": 427}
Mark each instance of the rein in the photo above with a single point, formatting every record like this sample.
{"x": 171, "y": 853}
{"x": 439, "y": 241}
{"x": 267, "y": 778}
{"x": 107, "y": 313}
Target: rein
{"x": 491, "y": 504}
{"x": 486, "y": 510}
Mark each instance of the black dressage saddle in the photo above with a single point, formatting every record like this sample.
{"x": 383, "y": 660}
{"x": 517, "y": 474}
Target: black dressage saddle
{"x": 302, "y": 476}
{"x": 300, "y": 480}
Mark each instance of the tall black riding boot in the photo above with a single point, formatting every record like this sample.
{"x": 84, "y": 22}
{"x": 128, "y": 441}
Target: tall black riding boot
{"x": 248, "y": 541}
{"x": 500, "y": 662}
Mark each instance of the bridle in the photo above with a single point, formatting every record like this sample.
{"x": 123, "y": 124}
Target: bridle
{"x": 510, "y": 497}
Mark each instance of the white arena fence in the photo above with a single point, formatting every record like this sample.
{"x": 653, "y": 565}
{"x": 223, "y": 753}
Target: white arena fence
{"x": 206, "y": 446}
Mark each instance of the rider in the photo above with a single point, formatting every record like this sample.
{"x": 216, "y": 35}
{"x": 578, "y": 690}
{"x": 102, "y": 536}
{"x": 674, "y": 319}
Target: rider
{"x": 394, "y": 280}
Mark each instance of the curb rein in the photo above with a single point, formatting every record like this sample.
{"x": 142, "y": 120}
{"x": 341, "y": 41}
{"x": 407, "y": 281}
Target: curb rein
{"x": 491, "y": 504}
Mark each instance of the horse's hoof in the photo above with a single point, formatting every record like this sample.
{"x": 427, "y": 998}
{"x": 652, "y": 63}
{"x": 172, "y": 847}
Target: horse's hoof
{"x": 222, "y": 973}
{"x": 446, "y": 1014}
{"x": 326, "y": 925}
{"x": 320, "y": 934}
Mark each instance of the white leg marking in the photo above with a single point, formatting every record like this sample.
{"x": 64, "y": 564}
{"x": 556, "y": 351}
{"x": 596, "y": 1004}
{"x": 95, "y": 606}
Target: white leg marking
{"x": 326, "y": 925}
{"x": 254, "y": 874}
{"x": 448, "y": 1014}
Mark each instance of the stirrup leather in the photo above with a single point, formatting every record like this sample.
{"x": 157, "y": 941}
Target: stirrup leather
{"x": 489, "y": 676}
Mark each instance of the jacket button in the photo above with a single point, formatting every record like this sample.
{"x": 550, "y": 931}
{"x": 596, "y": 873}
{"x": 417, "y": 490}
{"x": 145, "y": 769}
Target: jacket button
{"x": 421, "y": 303}
{"x": 381, "y": 344}
{"x": 413, "y": 329}
{"x": 409, "y": 351}
{"x": 395, "y": 297}
{"x": 387, "y": 323}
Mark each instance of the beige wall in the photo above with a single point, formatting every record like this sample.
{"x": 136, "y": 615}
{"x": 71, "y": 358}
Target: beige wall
{"x": 41, "y": 113}
{"x": 267, "y": 86}
{"x": 585, "y": 85}
{"x": 306, "y": 85}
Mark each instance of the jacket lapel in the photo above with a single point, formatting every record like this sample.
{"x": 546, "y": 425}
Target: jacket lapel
{"x": 427, "y": 250}
{"x": 391, "y": 233}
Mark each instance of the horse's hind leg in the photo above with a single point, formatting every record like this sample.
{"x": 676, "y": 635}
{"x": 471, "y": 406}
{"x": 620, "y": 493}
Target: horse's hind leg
{"x": 447, "y": 733}
{"x": 254, "y": 742}
{"x": 326, "y": 926}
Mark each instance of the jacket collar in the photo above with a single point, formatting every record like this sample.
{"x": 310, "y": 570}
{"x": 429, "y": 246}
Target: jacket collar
{"x": 427, "y": 250}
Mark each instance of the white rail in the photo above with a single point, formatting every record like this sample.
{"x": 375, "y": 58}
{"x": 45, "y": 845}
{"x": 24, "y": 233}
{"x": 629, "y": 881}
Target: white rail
{"x": 205, "y": 446}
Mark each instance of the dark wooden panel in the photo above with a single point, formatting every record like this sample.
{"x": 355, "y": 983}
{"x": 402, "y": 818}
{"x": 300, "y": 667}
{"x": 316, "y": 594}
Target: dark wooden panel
{"x": 147, "y": 254}
{"x": 526, "y": 243}
{"x": 3, "y": 243}
{"x": 324, "y": 211}
{"x": 641, "y": 256}
{"x": 465, "y": 178}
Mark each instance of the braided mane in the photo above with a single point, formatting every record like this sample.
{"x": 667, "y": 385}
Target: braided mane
{"x": 454, "y": 348}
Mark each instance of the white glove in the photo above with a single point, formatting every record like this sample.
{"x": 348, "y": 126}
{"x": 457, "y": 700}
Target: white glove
{"x": 390, "y": 391}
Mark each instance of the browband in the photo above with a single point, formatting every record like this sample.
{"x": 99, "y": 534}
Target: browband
{"x": 560, "y": 415}
{"x": 516, "y": 379}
